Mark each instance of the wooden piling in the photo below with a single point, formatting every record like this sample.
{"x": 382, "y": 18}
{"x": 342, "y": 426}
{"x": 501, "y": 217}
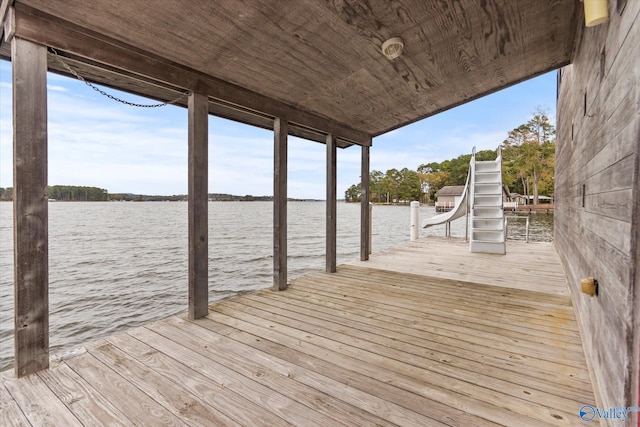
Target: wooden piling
{"x": 365, "y": 216}
{"x": 30, "y": 207}
{"x": 331, "y": 205}
{"x": 280, "y": 131}
{"x": 198, "y": 206}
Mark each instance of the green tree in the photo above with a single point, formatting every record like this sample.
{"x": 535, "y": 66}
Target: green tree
{"x": 528, "y": 157}
{"x": 353, "y": 193}
{"x": 77, "y": 193}
{"x": 409, "y": 185}
{"x": 376, "y": 185}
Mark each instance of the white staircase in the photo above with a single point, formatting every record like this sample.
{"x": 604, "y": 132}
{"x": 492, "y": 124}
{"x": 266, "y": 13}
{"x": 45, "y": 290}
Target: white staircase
{"x": 487, "y": 229}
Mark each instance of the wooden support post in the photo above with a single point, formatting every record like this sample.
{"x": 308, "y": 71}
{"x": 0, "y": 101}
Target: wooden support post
{"x": 331, "y": 205}
{"x": 280, "y": 131}
{"x": 30, "y": 207}
{"x": 198, "y": 206}
{"x": 365, "y": 216}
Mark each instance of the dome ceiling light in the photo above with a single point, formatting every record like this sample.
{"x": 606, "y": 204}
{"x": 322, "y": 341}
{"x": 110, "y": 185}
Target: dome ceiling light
{"x": 392, "y": 48}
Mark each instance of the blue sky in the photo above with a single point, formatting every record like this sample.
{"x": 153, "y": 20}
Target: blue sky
{"x": 97, "y": 142}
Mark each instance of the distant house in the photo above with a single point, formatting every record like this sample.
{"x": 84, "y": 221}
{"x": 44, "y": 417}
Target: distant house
{"x": 447, "y": 197}
{"x": 528, "y": 200}
{"x": 518, "y": 198}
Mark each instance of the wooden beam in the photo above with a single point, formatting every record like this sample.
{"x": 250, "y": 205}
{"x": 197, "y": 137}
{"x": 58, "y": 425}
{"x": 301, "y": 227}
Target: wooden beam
{"x": 365, "y": 216}
{"x": 8, "y": 24}
{"x": 30, "y": 207}
{"x": 198, "y": 206}
{"x": 5, "y": 5}
{"x": 331, "y": 205}
{"x": 52, "y": 31}
{"x": 280, "y": 205}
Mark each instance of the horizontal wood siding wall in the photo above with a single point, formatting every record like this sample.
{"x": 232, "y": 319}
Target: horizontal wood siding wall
{"x": 596, "y": 195}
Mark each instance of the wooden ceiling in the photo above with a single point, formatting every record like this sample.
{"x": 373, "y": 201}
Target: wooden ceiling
{"x": 313, "y": 61}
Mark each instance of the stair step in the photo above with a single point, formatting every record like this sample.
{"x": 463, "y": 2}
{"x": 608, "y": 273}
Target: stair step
{"x": 487, "y": 200}
{"x": 490, "y": 166}
{"x": 488, "y": 224}
{"x": 487, "y": 235}
{"x": 488, "y": 178}
{"x": 487, "y": 247}
{"x": 487, "y": 212}
{"x": 487, "y": 188}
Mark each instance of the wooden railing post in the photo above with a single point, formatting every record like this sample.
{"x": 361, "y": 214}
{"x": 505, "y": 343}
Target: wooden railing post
{"x": 198, "y": 206}
{"x": 365, "y": 216}
{"x": 280, "y": 131}
{"x": 30, "y": 207}
{"x": 331, "y": 205}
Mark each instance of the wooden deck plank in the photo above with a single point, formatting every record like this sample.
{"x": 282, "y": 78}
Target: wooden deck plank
{"x": 391, "y": 347}
{"x": 365, "y": 346}
{"x": 289, "y": 410}
{"x": 437, "y": 304}
{"x": 172, "y": 395}
{"x": 84, "y": 401}
{"x": 381, "y": 371}
{"x": 10, "y": 413}
{"x": 349, "y": 372}
{"x": 378, "y": 333}
{"x": 466, "y": 288}
{"x": 484, "y": 390}
{"x": 521, "y": 268}
{"x": 278, "y": 375}
{"x": 490, "y": 340}
{"x": 232, "y": 407}
{"x": 38, "y": 403}
{"x": 496, "y": 306}
{"x": 510, "y": 361}
{"x": 122, "y": 394}
{"x": 465, "y": 319}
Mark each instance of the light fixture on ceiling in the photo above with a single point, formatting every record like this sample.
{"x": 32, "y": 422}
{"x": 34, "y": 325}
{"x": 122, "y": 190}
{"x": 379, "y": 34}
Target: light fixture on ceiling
{"x": 595, "y": 12}
{"x": 392, "y": 48}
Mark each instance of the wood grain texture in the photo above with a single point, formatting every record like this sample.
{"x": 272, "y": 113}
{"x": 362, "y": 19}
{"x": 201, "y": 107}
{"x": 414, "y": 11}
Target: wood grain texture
{"x": 83, "y": 400}
{"x": 599, "y": 150}
{"x": 331, "y": 214}
{"x": 280, "y": 204}
{"x": 30, "y": 207}
{"x": 153, "y": 70}
{"x": 365, "y": 214}
{"x": 38, "y": 403}
{"x": 198, "y": 124}
{"x": 364, "y": 346}
{"x": 10, "y": 413}
{"x": 323, "y": 59}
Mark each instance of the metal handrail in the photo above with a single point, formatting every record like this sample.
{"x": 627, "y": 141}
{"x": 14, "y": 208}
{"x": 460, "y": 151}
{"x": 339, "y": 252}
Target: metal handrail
{"x": 506, "y": 229}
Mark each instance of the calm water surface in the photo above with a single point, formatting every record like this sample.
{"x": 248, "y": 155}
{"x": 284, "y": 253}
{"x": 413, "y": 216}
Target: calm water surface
{"x": 113, "y": 266}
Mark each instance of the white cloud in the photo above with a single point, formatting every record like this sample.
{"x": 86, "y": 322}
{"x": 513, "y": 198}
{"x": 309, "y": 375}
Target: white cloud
{"x": 56, "y": 88}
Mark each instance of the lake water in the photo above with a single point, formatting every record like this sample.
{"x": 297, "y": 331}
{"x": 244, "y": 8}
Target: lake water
{"x": 113, "y": 266}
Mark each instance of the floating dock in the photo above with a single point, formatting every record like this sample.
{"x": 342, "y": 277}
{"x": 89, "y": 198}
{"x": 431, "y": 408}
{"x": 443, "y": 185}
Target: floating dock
{"x": 425, "y": 334}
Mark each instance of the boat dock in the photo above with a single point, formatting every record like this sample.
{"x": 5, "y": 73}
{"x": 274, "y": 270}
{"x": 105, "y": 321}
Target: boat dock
{"x": 543, "y": 207}
{"x": 424, "y": 334}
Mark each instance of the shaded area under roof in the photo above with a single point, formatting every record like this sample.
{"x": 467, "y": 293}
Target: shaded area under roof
{"x": 318, "y": 64}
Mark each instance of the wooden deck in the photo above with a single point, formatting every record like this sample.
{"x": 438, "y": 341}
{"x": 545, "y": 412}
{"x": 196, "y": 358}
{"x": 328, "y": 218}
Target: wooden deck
{"x": 413, "y": 343}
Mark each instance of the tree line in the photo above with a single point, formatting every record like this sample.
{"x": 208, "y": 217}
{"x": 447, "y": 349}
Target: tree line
{"x": 66, "y": 193}
{"x": 528, "y": 161}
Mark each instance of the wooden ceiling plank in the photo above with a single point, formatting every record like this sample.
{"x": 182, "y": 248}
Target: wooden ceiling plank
{"x": 50, "y": 31}
{"x": 307, "y": 54}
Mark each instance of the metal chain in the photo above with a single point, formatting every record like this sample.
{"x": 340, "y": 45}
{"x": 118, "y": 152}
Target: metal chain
{"x": 108, "y": 95}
